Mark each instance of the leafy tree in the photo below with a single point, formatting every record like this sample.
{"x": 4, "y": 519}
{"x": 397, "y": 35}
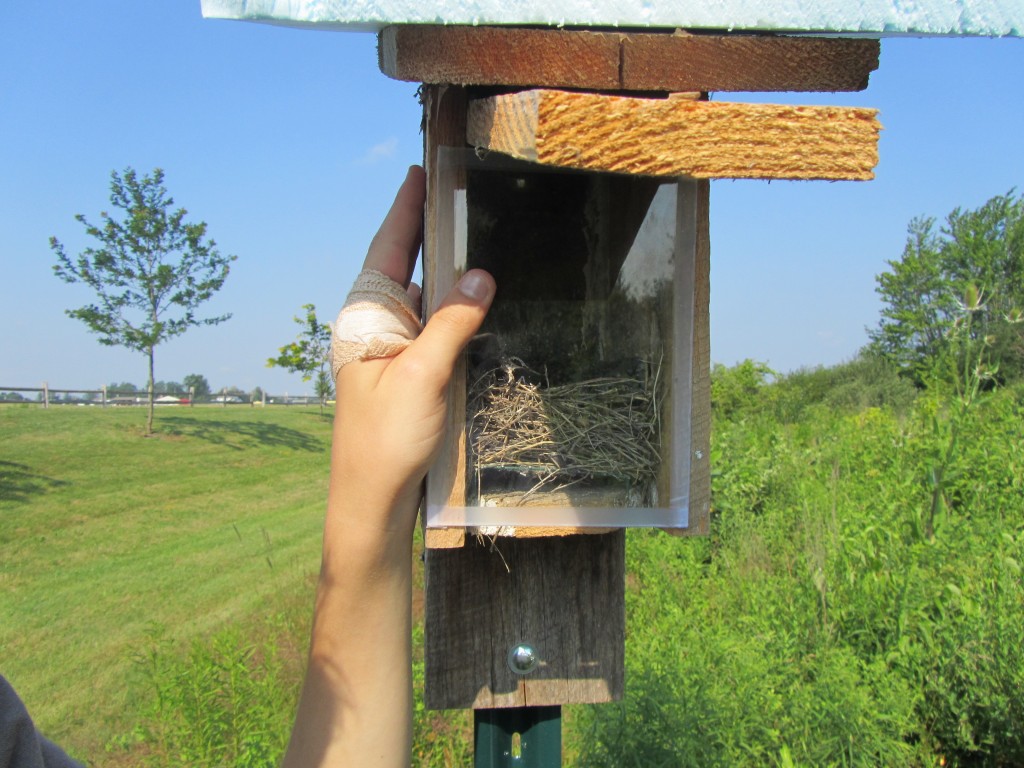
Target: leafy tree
{"x": 150, "y": 272}
{"x": 309, "y": 354}
{"x": 980, "y": 250}
{"x": 737, "y": 388}
{"x": 198, "y": 384}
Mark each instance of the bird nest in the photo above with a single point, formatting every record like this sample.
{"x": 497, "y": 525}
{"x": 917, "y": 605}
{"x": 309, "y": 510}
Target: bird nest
{"x": 600, "y": 429}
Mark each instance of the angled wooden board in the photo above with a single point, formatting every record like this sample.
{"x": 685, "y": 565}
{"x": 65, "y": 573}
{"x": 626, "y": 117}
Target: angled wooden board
{"x": 677, "y": 136}
{"x": 634, "y": 61}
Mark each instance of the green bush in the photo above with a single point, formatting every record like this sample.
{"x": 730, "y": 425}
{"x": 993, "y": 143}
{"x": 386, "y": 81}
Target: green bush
{"x": 858, "y": 602}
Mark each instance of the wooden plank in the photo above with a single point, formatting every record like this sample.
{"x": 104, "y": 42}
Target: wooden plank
{"x": 682, "y": 62}
{"x": 444, "y": 538}
{"x": 444, "y": 111}
{"x": 565, "y": 596}
{"x": 634, "y": 61}
{"x": 500, "y": 56}
{"x": 678, "y": 137}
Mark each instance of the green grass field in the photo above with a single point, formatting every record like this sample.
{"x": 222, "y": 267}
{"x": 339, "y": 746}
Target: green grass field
{"x": 107, "y": 537}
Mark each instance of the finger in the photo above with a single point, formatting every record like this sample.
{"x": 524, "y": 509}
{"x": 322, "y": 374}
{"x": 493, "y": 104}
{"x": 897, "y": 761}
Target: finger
{"x": 394, "y": 247}
{"x": 454, "y": 323}
{"x": 415, "y": 296}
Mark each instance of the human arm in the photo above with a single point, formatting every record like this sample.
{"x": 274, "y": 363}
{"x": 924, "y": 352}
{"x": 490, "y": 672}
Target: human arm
{"x": 356, "y": 703}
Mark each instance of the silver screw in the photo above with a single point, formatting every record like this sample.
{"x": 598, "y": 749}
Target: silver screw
{"x": 522, "y": 659}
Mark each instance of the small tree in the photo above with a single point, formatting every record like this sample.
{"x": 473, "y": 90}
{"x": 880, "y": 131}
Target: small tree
{"x": 309, "y": 354}
{"x": 150, "y": 272}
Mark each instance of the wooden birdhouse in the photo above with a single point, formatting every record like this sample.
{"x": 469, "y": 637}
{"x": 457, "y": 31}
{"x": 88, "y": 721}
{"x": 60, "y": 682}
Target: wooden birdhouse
{"x": 583, "y": 407}
{"x": 584, "y": 404}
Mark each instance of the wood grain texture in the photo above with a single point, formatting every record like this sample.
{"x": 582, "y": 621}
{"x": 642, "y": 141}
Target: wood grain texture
{"x": 444, "y": 538}
{"x": 444, "y": 110}
{"x": 678, "y": 137}
{"x": 500, "y": 56}
{"x": 682, "y": 62}
{"x": 623, "y": 61}
{"x": 565, "y": 596}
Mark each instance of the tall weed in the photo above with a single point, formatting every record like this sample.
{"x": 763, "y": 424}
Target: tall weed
{"x": 227, "y": 702}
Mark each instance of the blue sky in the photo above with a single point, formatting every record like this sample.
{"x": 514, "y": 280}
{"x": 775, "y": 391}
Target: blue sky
{"x": 290, "y": 143}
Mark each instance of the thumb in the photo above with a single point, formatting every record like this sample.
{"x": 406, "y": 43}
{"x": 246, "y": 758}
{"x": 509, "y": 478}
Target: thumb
{"x": 455, "y": 322}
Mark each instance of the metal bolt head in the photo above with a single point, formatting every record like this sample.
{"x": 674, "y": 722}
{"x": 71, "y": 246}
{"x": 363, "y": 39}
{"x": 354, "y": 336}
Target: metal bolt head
{"x": 522, "y": 659}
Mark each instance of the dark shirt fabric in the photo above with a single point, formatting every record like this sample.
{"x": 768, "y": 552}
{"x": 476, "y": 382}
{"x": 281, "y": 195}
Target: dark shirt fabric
{"x": 21, "y": 745}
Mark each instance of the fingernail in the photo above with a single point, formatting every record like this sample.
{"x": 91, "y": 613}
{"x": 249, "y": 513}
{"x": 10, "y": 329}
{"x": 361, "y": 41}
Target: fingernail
{"x": 474, "y": 286}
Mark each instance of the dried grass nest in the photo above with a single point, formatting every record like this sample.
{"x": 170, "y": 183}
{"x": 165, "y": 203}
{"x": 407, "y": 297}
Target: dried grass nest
{"x": 600, "y": 428}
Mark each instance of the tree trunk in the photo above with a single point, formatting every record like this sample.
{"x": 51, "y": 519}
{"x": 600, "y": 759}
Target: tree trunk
{"x": 149, "y": 418}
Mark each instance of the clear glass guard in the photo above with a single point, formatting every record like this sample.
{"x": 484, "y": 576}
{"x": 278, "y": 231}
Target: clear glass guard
{"x": 578, "y": 386}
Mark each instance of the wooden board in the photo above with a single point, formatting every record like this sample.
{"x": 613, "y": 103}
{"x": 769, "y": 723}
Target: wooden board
{"x": 565, "y": 596}
{"x": 617, "y": 61}
{"x": 500, "y": 56}
{"x": 678, "y": 136}
{"x": 444, "y": 110}
{"x": 682, "y": 62}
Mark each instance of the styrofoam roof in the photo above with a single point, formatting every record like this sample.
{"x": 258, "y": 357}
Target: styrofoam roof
{"x": 871, "y": 17}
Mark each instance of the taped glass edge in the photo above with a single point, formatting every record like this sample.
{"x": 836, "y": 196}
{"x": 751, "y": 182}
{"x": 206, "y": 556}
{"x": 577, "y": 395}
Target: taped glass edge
{"x": 558, "y": 517}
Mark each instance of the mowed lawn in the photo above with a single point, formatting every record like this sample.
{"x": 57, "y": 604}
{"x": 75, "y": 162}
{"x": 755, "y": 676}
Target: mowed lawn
{"x": 107, "y": 536}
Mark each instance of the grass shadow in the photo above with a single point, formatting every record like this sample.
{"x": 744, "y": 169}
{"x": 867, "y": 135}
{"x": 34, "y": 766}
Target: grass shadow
{"x": 239, "y": 435}
{"x": 19, "y": 482}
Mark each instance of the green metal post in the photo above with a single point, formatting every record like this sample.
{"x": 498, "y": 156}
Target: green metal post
{"x": 518, "y": 737}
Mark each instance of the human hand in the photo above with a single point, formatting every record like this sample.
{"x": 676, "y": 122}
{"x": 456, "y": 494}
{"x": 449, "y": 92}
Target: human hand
{"x": 356, "y": 702}
{"x": 391, "y": 413}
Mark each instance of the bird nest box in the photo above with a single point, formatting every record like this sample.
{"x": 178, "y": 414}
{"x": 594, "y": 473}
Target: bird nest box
{"x": 580, "y": 405}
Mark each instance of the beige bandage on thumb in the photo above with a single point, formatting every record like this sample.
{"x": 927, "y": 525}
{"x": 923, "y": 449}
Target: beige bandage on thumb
{"x": 378, "y": 320}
